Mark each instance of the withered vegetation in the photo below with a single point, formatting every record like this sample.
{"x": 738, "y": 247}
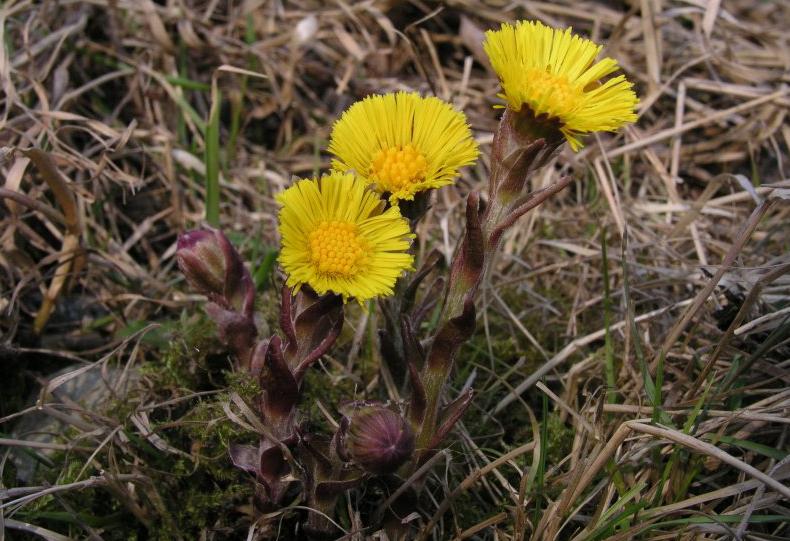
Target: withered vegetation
{"x": 632, "y": 357}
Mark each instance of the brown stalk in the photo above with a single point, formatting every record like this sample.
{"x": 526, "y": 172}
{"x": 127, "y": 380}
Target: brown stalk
{"x": 71, "y": 258}
{"x": 740, "y": 240}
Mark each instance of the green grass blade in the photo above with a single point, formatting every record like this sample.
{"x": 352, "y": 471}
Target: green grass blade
{"x": 619, "y": 521}
{"x": 186, "y": 83}
{"x": 265, "y": 270}
{"x": 541, "y": 466}
{"x": 611, "y": 383}
{"x": 212, "y": 159}
{"x": 770, "y": 452}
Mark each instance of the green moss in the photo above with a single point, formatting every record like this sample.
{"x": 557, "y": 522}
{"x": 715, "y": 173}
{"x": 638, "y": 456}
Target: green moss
{"x": 470, "y": 508}
{"x": 188, "y": 492}
{"x": 202, "y": 506}
{"x": 560, "y": 439}
{"x": 182, "y": 362}
{"x": 331, "y": 391}
{"x": 242, "y": 384}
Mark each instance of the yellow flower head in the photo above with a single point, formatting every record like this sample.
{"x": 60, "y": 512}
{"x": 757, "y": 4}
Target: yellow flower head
{"x": 554, "y": 74}
{"x": 337, "y": 237}
{"x": 402, "y": 143}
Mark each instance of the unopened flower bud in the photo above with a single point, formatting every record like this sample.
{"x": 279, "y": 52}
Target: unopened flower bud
{"x": 201, "y": 260}
{"x": 379, "y": 440}
{"x": 213, "y": 267}
{"x": 523, "y": 144}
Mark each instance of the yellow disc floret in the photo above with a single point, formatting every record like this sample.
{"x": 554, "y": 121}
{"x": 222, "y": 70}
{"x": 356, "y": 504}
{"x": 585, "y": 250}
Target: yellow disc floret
{"x": 402, "y": 143}
{"x": 397, "y": 168}
{"x": 338, "y": 237}
{"x": 335, "y": 248}
{"x": 558, "y": 95}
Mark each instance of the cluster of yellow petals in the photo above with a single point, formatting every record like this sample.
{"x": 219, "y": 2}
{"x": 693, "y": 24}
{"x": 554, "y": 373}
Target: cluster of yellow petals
{"x": 554, "y": 73}
{"x": 402, "y": 143}
{"x": 338, "y": 235}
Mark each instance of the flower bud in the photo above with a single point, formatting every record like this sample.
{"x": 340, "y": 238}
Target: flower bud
{"x": 523, "y": 143}
{"x": 379, "y": 440}
{"x": 213, "y": 267}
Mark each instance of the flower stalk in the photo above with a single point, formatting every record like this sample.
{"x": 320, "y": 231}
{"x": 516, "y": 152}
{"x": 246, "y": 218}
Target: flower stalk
{"x": 548, "y": 103}
{"x": 213, "y": 267}
{"x": 515, "y": 158}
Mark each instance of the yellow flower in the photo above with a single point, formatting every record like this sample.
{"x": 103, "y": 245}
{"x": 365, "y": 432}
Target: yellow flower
{"x": 402, "y": 143}
{"x": 554, "y": 74}
{"x": 337, "y": 237}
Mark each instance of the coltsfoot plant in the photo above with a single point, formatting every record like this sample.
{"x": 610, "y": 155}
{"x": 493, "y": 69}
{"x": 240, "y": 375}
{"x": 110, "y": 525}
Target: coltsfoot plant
{"x": 347, "y": 236}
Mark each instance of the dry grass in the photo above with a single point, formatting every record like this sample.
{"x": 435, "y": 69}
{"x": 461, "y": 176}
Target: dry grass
{"x": 652, "y": 405}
